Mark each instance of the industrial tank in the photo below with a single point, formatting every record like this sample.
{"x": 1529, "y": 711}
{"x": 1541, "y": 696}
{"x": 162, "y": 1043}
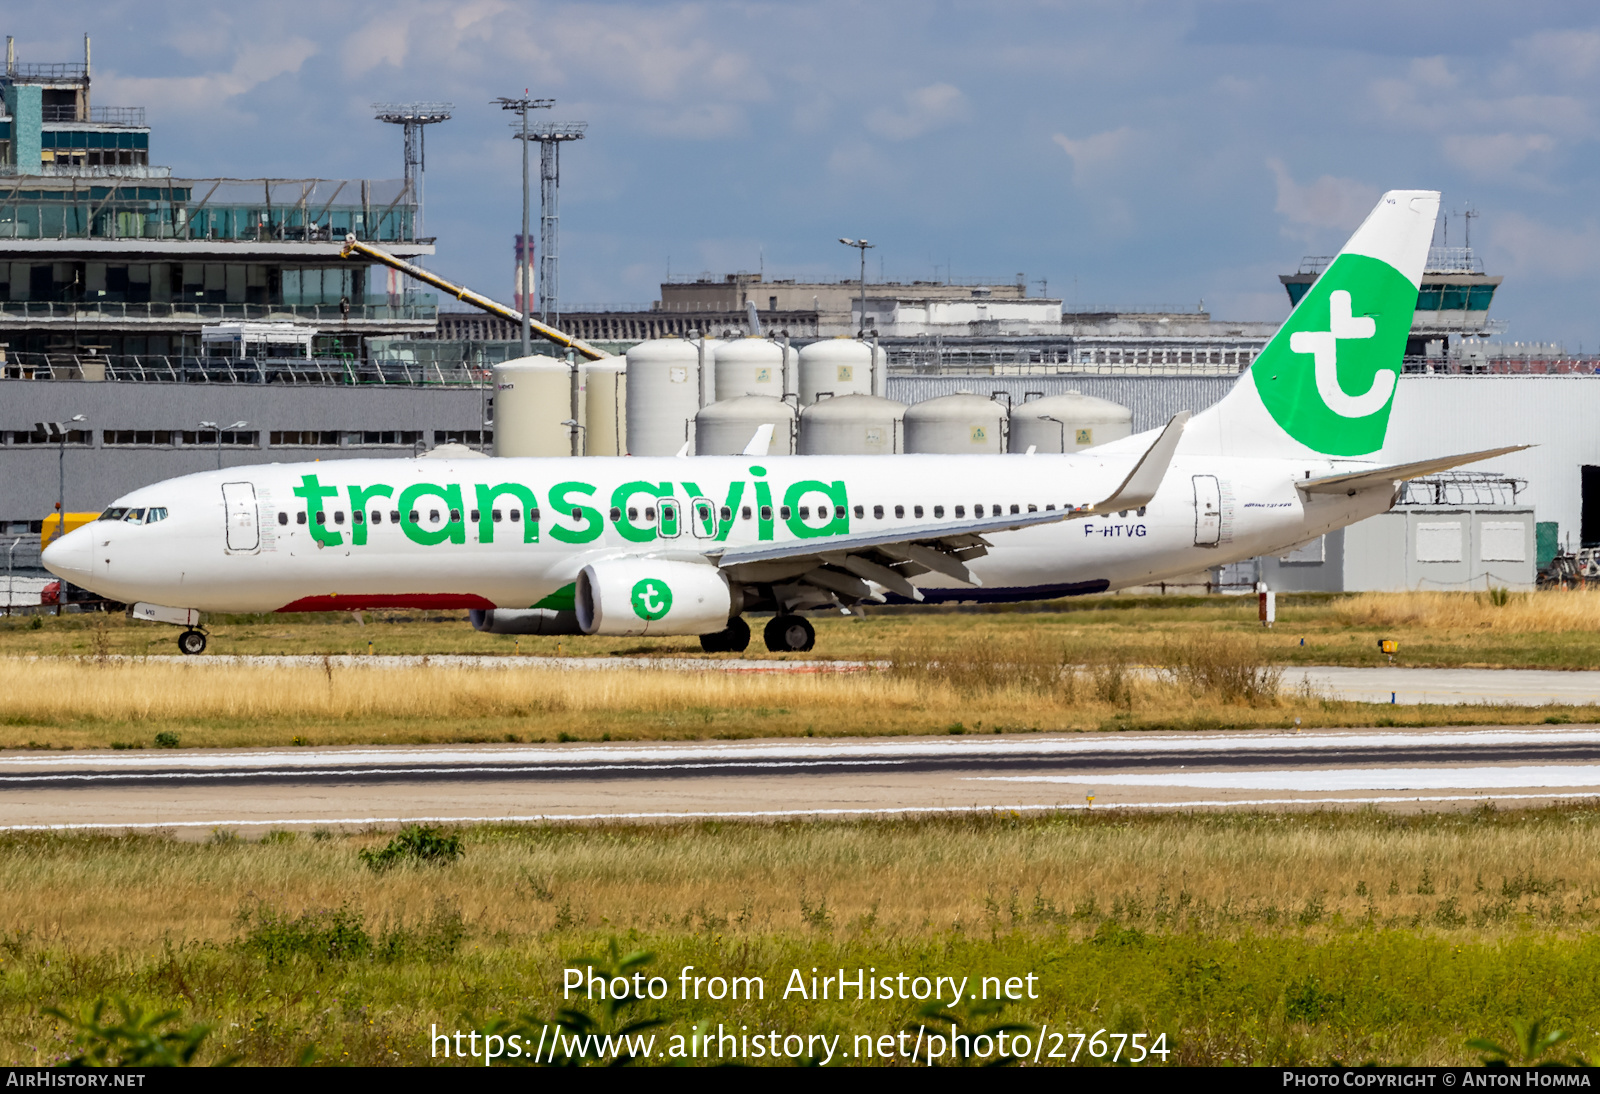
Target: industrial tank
{"x": 961, "y": 424}
{"x": 749, "y": 366}
{"x": 605, "y": 416}
{"x": 837, "y": 367}
{"x": 1080, "y": 421}
{"x": 851, "y": 425}
{"x": 725, "y": 428}
{"x": 532, "y": 397}
{"x": 663, "y": 394}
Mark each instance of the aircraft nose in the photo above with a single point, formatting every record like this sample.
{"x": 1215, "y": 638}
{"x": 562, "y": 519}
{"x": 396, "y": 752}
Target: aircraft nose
{"x": 71, "y": 557}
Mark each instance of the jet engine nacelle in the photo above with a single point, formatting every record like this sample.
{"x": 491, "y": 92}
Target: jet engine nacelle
{"x": 524, "y": 621}
{"x": 636, "y": 596}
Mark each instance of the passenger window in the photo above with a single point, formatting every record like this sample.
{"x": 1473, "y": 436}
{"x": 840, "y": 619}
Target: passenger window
{"x": 1032, "y": 508}
{"x": 377, "y": 516}
{"x": 900, "y": 511}
{"x": 961, "y": 511}
{"x": 413, "y": 516}
{"x": 916, "y": 511}
{"x": 1141, "y": 510}
{"x": 725, "y": 513}
{"x": 805, "y": 512}
{"x": 1049, "y": 506}
{"x": 494, "y": 515}
{"x": 394, "y": 516}
{"x": 746, "y": 512}
{"x": 783, "y": 512}
{"x": 475, "y": 515}
{"x": 1014, "y": 508}
{"x": 766, "y": 512}
{"x": 616, "y": 514}
{"x": 977, "y": 510}
{"x": 516, "y": 515}
{"x": 938, "y": 510}
{"x": 433, "y": 516}
{"x": 338, "y": 518}
{"x": 861, "y": 511}
{"x": 300, "y": 518}
{"x": 650, "y": 513}
{"x": 455, "y": 516}
{"x": 283, "y": 518}
{"x": 322, "y": 518}
{"x": 358, "y": 517}
{"x": 633, "y": 512}
{"x": 577, "y": 514}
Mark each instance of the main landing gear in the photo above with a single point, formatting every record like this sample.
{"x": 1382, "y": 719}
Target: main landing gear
{"x": 736, "y": 639}
{"x": 789, "y": 634}
{"x": 192, "y": 642}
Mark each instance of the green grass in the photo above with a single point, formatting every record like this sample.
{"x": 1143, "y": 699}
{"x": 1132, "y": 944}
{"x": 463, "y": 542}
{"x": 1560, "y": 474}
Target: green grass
{"x": 1245, "y": 938}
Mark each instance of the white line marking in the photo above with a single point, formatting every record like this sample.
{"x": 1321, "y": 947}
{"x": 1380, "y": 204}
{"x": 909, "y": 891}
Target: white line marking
{"x": 782, "y": 814}
{"x": 1356, "y": 778}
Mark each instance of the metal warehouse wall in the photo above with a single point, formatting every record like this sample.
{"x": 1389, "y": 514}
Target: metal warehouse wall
{"x": 96, "y": 476}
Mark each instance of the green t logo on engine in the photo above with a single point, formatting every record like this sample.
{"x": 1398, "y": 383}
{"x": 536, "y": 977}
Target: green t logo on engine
{"x": 651, "y": 599}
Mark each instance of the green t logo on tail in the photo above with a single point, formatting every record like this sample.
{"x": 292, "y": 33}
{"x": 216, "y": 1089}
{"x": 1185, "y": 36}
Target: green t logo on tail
{"x": 652, "y": 599}
{"x": 1328, "y": 376}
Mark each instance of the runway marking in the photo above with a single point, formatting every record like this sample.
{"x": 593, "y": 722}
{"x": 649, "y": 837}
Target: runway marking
{"x": 782, "y": 814}
{"x": 1454, "y": 778}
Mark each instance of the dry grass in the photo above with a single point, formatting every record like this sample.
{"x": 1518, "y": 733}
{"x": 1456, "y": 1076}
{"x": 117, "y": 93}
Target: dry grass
{"x": 921, "y": 878}
{"x": 1551, "y": 611}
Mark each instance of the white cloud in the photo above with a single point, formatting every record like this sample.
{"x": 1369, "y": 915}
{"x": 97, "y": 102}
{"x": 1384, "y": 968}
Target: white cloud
{"x": 1096, "y": 152}
{"x": 922, "y": 110}
{"x": 1328, "y": 202}
{"x": 1496, "y": 155}
{"x": 1524, "y": 246}
{"x": 255, "y": 64}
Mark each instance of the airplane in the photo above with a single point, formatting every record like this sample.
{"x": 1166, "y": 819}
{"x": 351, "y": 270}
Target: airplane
{"x": 690, "y": 545}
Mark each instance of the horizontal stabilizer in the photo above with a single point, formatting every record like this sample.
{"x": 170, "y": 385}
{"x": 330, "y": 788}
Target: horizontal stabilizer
{"x": 1354, "y": 482}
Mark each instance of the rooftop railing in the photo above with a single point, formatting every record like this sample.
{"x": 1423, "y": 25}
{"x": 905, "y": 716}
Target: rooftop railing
{"x": 98, "y": 115}
{"x": 160, "y": 369}
{"x": 401, "y": 308}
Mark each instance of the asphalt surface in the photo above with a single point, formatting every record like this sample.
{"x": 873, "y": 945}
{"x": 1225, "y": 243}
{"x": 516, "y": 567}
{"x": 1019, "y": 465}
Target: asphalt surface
{"x": 197, "y": 790}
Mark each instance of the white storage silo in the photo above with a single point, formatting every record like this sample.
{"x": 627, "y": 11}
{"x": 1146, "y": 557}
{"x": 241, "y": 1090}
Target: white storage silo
{"x": 836, "y": 367}
{"x": 532, "y": 397}
{"x": 1068, "y": 423}
{"x": 663, "y": 394}
{"x": 725, "y": 428}
{"x": 961, "y": 424}
{"x": 851, "y": 425}
{"x": 605, "y": 414}
{"x": 748, "y": 366}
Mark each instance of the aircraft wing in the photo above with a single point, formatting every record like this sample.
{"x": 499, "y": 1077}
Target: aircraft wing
{"x": 1355, "y": 481}
{"x": 843, "y": 564}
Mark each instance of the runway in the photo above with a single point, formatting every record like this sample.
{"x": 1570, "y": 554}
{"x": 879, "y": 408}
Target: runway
{"x": 254, "y": 789}
{"x": 1382, "y": 684}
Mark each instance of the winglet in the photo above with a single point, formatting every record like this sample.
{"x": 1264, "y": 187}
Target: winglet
{"x": 683, "y": 453}
{"x": 761, "y": 442}
{"x": 1145, "y": 478}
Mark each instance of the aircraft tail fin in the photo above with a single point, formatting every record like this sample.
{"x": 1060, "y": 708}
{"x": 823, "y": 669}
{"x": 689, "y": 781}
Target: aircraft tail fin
{"x": 1325, "y": 383}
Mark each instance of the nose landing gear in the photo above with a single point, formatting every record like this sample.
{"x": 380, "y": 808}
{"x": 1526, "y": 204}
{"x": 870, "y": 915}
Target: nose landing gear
{"x": 192, "y": 642}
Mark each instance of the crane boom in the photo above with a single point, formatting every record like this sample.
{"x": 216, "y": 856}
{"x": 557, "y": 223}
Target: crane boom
{"x": 353, "y": 246}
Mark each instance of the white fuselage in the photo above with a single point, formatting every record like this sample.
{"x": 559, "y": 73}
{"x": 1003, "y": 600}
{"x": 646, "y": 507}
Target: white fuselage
{"x": 247, "y": 539}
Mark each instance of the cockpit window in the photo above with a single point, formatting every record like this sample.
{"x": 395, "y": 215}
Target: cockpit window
{"x": 153, "y": 515}
{"x": 114, "y": 514}
{"x": 135, "y": 516}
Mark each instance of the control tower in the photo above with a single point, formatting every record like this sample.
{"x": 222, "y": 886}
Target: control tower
{"x": 1454, "y": 301}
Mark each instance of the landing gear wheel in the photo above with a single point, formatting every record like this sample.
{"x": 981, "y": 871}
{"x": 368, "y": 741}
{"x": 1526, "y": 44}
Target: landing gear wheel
{"x": 192, "y": 642}
{"x": 736, "y": 639}
{"x": 789, "y": 634}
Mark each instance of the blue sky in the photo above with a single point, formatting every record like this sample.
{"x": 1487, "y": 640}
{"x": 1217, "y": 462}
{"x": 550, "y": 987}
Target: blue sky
{"x": 1129, "y": 154}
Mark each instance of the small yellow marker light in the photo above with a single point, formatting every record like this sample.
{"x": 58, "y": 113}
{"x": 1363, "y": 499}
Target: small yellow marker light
{"x": 1090, "y": 799}
{"x": 1389, "y": 646}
